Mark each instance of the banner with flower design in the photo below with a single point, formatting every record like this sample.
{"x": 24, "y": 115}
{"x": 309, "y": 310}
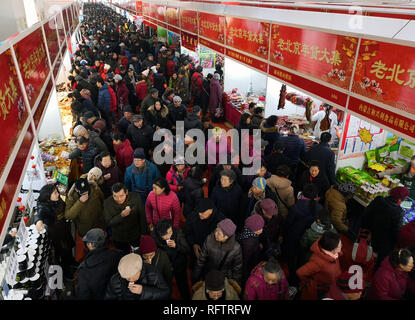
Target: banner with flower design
{"x": 212, "y": 26}
{"x": 33, "y": 64}
{"x": 248, "y": 35}
{"x": 325, "y": 56}
{"x": 13, "y": 113}
{"x": 172, "y": 16}
{"x": 385, "y": 72}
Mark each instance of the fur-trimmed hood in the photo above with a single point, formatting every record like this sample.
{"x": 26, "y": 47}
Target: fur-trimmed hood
{"x": 164, "y": 110}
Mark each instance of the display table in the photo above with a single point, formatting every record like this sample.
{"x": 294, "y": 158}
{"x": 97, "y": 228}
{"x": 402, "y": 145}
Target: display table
{"x": 232, "y": 114}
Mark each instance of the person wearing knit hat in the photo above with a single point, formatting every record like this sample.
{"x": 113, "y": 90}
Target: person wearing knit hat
{"x": 99, "y": 125}
{"x": 399, "y": 194}
{"x": 222, "y": 252}
{"x": 216, "y": 287}
{"x": 95, "y": 175}
{"x": 145, "y": 72}
{"x": 139, "y": 154}
{"x": 341, "y": 290}
{"x": 269, "y": 208}
{"x": 259, "y": 183}
{"x": 156, "y": 257}
{"x": 255, "y": 223}
{"x": 117, "y": 78}
{"x": 144, "y": 282}
{"x": 107, "y": 67}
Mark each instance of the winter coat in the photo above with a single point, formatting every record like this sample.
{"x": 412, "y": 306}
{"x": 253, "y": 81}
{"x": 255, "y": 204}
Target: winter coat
{"x": 158, "y": 118}
{"x": 173, "y": 83}
{"x": 407, "y": 235}
{"x": 285, "y": 193}
{"x": 335, "y": 293}
{"x": 146, "y": 103}
{"x": 141, "y": 183}
{"x": 215, "y": 177}
{"x": 294, "y": 148}
{"x": 47, "y": 212}
{"x": 165, "y": 206}
{"x": 197, "y": 84}
{"x": 269, "y": 134}
{"x": 320, "y": 182}
{"x": 215, "y": 98}
{"x": 114, "y": 102}
{"x": 383, "y": 217}
{"x": 183, "y": 89}
{"x": 258, "y": 289}
{"x": 228, "y": 201}
{"x": 218, "y": 149}
{"x": 160, "y": 82}
{"x": 299, "y": 219}
{"x": 88, "y": 155}
{"x": 87, "y": 104}
{"x": 388, "y": 283}
{"x": 310, "y": 236}
{"x": 253, "y": 201}
{"x": 212, "y": 255}
{"x": 174, "y": 179}
{"x": 249, "y": 242}
{"x": 116, "y": 176}
{"x": 95, "y": 272}
{"x": 335, "y": 203}
{"x": 122, "y": 93}
{"x": 170, "y": 65}
{"x": 177, "y": 113}
{"x": 96, "y": 139}
{"x": 104, "y": 99}
{"x": 193, "y": 193}
{"x": 154, "y": 286}
{"x": 140, "y": 137}
{"x": 123, "y": 125}
{"x": 230, "y": 291}
{"x": 86, "y": 215}
{"x": 197, "y": 230}
{"x": 124, "y": 155}
{"x": 131, "y": 227}
{"x": 141, "y": 90}
{"x": 162, "y": 263}
{"x": 322, "y": 153}
{"x": 192, "y": 121}
{"x": 319, "y": 273}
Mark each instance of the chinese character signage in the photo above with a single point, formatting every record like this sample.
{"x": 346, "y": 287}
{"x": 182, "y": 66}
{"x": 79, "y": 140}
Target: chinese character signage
{"x": 385, "y": 72}
{"x": 153, "y": 10}
{"x": 325, "y": 56}
{"x": 33, "y": 64}
{"x": 160, "y": 13}
{"x": 188, "y": 20}
{"x": 65, "y": 20}
{"x": 248, "y": 35}
{"x": 146, "y": 9}
{"x": 212, "y": 26}
{"x": 172, "y": 16}
{"x": 384, "y": 117}
{"x": 61, "y": 31}
{"x": 13, "y": 114}
{"x": 211, "y": 45}
{"x": 139, "y": 8}
{"x": 52, "y": 39}
{"x": 189, "y": 41}
{"x": 252, "y": 62}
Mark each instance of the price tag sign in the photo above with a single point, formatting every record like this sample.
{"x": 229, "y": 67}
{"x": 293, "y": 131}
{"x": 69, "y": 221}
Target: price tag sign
{"x": 12, "y": 267}
{"x": 60, "y": 177}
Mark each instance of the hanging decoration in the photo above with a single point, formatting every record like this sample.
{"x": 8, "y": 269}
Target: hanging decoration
{"x": 283, "y": 92}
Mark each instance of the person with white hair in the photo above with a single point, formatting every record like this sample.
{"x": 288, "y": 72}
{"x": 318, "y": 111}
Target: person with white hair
{"x": 81, "y": 131}
{"x": 176, "y": 176}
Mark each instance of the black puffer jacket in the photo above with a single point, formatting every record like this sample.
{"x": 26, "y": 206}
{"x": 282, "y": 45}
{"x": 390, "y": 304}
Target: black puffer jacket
{"x": 140, "y": 137}
{"x": 193, "y": 193}
{"x": 177, "y": 113}
{"x": 193, "y": 121}
{"x": 154, "y": 286}
{"x": 213, "y": 252}
{"x": 95, "y": 272}
{"x": 178, "y": 254}
{"x": 47, "y": 212}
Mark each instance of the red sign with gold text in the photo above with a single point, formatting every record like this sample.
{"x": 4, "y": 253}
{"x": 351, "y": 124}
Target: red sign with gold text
{"x": 212, "y": 26}
{"x": 385, "y": 117}
{"x": 51, "y": 39}
{"x": 153, "y": 10}
{"x": 248, "y": 35}
{"x": 160, "y": 13}
{"x": 188, "y": 20}
{"x": 13, "y": 178}
{"x": 172, "y": 16}
{"x": 324, "y": 92}
{"x": 385, "y": 72}
{"x": 325, "y": 56}
{"x": 139, "y": 8}
{"x": 211, "y": 45}
{"x": 13, "y": 114}
{"x": 252, "y": 62}
{"x": 33, "y": 63}
{"x": 175, "y": 30}
{"x": 61, "y": 31}
{"x": 146, "y": 9}
{"x": 189, "y": 41}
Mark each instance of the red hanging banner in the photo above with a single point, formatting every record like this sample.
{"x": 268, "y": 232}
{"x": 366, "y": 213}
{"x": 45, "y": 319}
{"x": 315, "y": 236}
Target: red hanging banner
{"x": 248, "y": 35}
{"x": 212, "y": 26}
{"x": 211, "y": 45}
{"x": 385, "y": 72}
{"x": 51, "y": 39}
{"x": 384, "y": 117}
{"x": 61, "y": 31}
{"x": 175, "y": 30}
{"x": 189, "y": 41}
{"x": 146, "y": 9}
{"x": 153, "y": 10}
{"x": 65, "y": 20}
{"x": 252, "y": 62}
{"x": 33, "y": 64}
{"x": 172, "y": 16}
{"x": 160, "y": 13}
{"x": 325, "y": 56}
{"x": 188, "y": 20}
{"x": 13, "y": 114}
{"x": 139, "y": 8}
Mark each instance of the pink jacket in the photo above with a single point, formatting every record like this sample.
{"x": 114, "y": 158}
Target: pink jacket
{"x": 173, "y": 178}
{"x": 257, "y": 289}
{"x": 217, "y": 150}
{"x": 163, "y": 207}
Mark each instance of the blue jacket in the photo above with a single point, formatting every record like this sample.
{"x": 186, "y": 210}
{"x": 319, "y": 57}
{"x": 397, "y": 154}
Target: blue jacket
{"x": 294, "y": 147}
{"x": 141, "y": 183}
{"x": 104, "y": 98}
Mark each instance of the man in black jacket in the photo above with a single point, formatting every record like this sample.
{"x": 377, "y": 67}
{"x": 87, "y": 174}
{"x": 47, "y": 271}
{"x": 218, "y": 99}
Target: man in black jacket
{"x": 192, "y": 121}
{"x": 177, "y": 111}
{"x": 173, "y": 242}
{"x": 136, "y": 280}
{"x": 140, "y": 134}
{"x": 322, "y": 153}
{"x": 97, "y": 268}
{"x": 199, "y": 225}
{"x": 215, "y": 177}
{"x": 126, "y": 120}
{"x": 276, "y": 158}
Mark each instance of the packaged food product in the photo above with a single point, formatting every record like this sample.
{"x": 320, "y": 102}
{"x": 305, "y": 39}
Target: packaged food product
{"x": 371, "y": 157}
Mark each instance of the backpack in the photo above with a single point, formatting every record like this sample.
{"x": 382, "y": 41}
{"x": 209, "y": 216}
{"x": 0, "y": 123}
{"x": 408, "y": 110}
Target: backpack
{"x": 362, "y": 251}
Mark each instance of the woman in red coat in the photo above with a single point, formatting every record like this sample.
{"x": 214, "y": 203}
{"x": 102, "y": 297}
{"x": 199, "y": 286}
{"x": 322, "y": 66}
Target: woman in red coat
{"x": 123, "y": 151}
{"x": 323, "y": 268}
{"x": 176, "y": 176}
{"x": 141, "y": 90}
{"x": 121, "y": 91}
{"x": 407, "y": 235}
{"x": 391, "y": 280}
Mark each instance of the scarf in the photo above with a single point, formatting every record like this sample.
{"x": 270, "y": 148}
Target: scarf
{"x": 246, "y": 234}
{"x": 330, "y": 254}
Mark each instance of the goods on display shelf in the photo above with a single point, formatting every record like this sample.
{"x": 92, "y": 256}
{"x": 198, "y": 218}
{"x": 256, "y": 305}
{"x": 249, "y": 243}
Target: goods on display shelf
{"x": 242, "y": 103}
{"x": 64, "y": 103}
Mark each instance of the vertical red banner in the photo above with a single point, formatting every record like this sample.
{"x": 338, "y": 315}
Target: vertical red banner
{"x": 139, "y": 8}
{"x": 61, "y": 31}
{"x": 65, "y": 20}
{"x": 248, "y": 35}
{"x": 212, "y": 26}
{"x": 160, "y": 13}
{"x": 13, "y": 114}
{"x": 172, "y": 16}
{"x": 188, "y": 20}
{"x": 33, "y": 64}
{"x": 153, "y": 10}
{"x": 51, "y": 39}
{"x": 189, "y": 41}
